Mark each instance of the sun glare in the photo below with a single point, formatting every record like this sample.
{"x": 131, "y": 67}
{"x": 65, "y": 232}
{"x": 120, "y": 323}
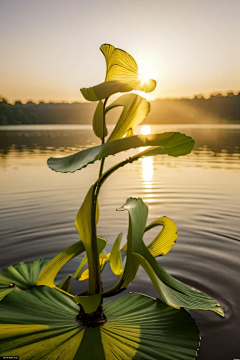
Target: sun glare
{"x": 145, "y": 129}
{"x": 147, "y": 170}
{"x": 143, "y": 78}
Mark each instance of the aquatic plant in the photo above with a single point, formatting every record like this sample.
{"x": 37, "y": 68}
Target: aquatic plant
{"x": 44, "y": 320}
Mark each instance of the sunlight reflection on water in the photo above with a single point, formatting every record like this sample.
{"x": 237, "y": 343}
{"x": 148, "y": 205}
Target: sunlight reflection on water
{"x": 200, "y": 192}
{"x": 147, "y": 163}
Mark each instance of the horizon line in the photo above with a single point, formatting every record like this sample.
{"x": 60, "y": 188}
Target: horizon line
{"x": 223, "y": 94}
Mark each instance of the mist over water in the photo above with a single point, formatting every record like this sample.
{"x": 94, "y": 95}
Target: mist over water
{"x": 199, "y": 192}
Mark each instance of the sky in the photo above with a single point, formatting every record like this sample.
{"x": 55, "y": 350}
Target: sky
{"x": 50, "y": 49}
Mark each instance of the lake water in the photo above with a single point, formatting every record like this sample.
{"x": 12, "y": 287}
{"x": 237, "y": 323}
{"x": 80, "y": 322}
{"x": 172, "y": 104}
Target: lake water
{"x": 200, "y": 192}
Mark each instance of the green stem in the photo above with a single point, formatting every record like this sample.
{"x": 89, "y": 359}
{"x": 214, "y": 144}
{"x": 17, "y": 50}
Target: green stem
{"x": 79, "y": 269}
{"x": 101, "y": 168}
{"x": 96, "y": 264}
{"x": 117, "y": 287}
{"x": 103, "y": 139}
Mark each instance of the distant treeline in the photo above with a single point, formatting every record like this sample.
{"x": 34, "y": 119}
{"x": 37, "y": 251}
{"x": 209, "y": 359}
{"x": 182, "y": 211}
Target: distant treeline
{"x": 215, "y": 109}
{"x": 12, "y": 115}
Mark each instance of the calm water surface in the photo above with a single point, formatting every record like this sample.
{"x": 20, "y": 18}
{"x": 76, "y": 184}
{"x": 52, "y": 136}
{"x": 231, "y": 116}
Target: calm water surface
{"x": 200, "y": 192}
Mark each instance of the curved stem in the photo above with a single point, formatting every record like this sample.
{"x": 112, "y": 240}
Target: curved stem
{"x": 117, "y": 287}
{"x": 103, "y": 139}
{"x": 96, "y": 264}
{"x": 96, "y": 189}
{"x": 101, "y": 167}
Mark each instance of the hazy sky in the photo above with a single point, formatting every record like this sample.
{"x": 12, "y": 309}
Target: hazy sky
{"x": 50, "y": 48}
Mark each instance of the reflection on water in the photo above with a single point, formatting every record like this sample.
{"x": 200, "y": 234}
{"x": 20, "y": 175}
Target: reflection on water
{"x": 200, "y": 192}
{"x": 147, "y": 163}
{"x": 147, "y": 169}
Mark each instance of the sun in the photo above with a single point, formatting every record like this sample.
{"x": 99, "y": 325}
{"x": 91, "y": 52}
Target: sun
{"x": 144, "y": 78}
{"x": 145, "y": 72}
{"x": 145, "y": 129}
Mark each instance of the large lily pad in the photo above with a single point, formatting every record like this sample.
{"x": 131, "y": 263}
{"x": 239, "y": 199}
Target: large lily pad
{"x": 41, "y": 324}
{"x": 22, "y": 276}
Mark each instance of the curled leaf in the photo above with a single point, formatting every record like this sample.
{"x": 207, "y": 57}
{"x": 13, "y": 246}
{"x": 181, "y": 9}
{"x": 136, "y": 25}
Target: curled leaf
{"x": 121, "y": 66}
{"x": 135, "y": 109}
{"x": 165, "y": 240}
{"x": 173, "y": 292}
{"x": 49, "y": 273}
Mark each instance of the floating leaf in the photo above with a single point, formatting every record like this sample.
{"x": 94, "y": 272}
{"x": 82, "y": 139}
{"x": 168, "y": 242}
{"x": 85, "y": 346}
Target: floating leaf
{"x": 140, "y": 327}
{"x": 5, "y": 290}
{"x": 41, "y": 324}
{"x": 173, "y": 144}
{"x": 135, "y": 109}
{"x": 49, "y": 273}
{"x": 22, "y": 275}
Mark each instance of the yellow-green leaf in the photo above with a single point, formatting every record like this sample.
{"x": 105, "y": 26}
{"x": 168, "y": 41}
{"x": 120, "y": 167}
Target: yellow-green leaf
{"x": 22, "y": 275}
{"x": 101, "y": 243}
{"x": 174, "y": 292}
{"x": 65, "y": 284}
{"x": 103, "y": 259}
{"x": 115, "y": 257}
{"x": 89, "y": 303}
{"x": 165, "y": 240}
{"x": 131, "y": 264}
{"x": 83, "y": 223}
{"x": 104, "y": 90}
{"x": 130, "y": 133}
{"x": 50, "y": 271}
{"x": 99, "y": 125}
{"x": 122, "y": 67}
{"x": 135, "y": 109}
{"x": 41, "y": 324}
{"x": 173, "y": 144}
{"x": 5, "y": 290}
